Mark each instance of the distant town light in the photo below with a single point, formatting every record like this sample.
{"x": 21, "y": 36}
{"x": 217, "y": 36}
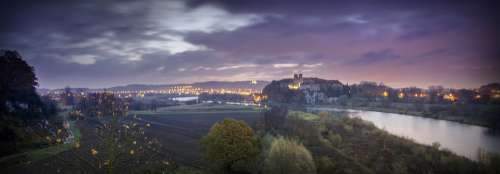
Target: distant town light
{"x": 450, "y": 97}
{"x": 401, "y": 95}
{"x": 93, "y": 152}
{"x": 294, "y": 86}
{"x": 385, "y": 94}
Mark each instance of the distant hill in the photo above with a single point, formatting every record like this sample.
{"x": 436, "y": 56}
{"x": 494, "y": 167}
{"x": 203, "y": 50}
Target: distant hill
{"x": 304, "y": 90}
{"x": 236, "y": 84}
{"x": 133, "y": 87}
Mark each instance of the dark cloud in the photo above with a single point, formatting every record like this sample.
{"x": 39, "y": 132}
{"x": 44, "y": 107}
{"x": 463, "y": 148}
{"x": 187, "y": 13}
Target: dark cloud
{"x": 103, "y": 43}
{"x": 373, "y": 57}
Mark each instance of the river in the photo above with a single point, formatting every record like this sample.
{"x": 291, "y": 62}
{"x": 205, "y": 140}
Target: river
{"x": 184, "y": 99}
{"x": 462, "y": 139}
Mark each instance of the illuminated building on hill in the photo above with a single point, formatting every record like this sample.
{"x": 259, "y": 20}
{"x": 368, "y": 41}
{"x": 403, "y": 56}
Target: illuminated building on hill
{"x": 297, "y": 81}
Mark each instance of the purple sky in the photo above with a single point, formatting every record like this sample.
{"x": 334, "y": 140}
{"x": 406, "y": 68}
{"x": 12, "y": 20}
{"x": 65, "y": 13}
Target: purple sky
{"x": 96, "y": 43}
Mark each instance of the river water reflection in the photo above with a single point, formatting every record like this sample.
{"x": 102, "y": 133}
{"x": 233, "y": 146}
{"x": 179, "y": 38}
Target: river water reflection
{"x": 460, "y": 138}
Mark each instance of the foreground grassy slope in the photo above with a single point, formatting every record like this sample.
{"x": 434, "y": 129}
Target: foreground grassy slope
{"x": 34, "y": 155}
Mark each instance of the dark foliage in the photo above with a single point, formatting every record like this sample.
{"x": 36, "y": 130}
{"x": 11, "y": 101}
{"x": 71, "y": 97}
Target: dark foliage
{"x": 102, "y": 104}
{"x": 274, "y": 118}
{"x": 18, "y": 97}
{"x": 21, "y": 108}
{"x": 230, "y": 147}
{"x": 341, "y": 144}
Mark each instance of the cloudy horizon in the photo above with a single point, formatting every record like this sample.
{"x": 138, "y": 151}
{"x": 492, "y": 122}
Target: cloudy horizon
{"x": 109, "y": 43}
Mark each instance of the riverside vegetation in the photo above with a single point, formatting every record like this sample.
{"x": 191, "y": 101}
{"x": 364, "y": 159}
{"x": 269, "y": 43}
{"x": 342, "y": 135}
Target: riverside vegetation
{"x": 299, "y": 142}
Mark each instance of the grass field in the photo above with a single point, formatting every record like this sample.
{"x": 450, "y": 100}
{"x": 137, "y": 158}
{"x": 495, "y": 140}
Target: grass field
{"x": 179, "y": 130}
{"x": 199, "y": 109}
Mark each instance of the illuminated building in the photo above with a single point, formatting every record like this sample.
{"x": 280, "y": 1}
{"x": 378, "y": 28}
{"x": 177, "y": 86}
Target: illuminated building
{"x": 401, "y": 95}
{"x": 495, "y": 94}
{"x": 385, "y": 94}
{"x": 422, "y": 95}
{"x": 450, "y": 97}
{"x": 258, "y": 97}
{"x": 477, "y": 96}
{"x": 294, "y": 86}
{"x": 297, "y": 81}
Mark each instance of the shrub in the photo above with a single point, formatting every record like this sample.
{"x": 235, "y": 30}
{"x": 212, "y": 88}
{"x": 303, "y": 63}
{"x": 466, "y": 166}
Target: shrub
{"x": 325, "y": 165}
{"x": 230, "y": 147}
{"x": 288, "y": 157}
{"x": 335, "y": 139}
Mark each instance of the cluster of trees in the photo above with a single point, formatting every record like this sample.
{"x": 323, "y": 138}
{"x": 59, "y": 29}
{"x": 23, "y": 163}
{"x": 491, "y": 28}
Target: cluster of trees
{"x": 340, "y": 144}
{"x": 18, "y": 97}
{"x": 24, "y": 115}
{"x": 472, "y": 106}
{"x": 231, "y": 146}
{"x": 278, "y": 91}
{"x": 101, "y": 104}
{"x": 298, "y": 142}
{"x": 486, "y": 94}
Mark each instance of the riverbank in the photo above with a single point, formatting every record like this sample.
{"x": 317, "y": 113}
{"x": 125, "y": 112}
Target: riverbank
{"x": 473, "y": 116}
{"x": 344, "y": 144}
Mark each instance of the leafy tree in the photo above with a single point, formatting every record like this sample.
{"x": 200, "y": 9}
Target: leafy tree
{"x": 17, "y": 87}
{"x": 21, "y": 109}
{"x": 102, "y": 104}
{"x": 288, "y": 157}
{"x": 122, "y": 143}
{"x": 68, "y": 96}
{"x": 274, "y": 118}
{"x": 230, "y": 147}
{"x": 325, "y": 165}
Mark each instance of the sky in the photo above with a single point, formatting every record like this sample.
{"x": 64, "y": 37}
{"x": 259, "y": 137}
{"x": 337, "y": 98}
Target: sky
{"x": 104, "y": 43}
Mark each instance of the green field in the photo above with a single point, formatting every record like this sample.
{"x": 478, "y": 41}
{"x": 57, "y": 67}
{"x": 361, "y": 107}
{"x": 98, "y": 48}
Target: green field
{"x": 199, "y": 109}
